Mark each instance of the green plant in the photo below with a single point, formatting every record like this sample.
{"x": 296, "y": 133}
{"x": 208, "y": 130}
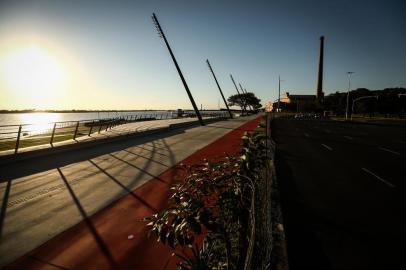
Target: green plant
{"x": 213, "y": 204}
{"x": 208, "y": 203}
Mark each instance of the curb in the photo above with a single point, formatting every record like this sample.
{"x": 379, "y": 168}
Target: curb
{"x": 279, "y": 254}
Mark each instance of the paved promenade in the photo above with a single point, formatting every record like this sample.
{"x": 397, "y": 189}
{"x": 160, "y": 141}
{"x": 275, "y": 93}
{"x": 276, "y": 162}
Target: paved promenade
{"x": 110, "y": 133}
{"x": 44, "y": 197}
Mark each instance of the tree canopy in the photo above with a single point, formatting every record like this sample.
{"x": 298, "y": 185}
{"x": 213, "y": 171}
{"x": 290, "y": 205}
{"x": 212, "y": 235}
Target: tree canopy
{"x": 391, "y": 101}
{"x": 245, "y": 100}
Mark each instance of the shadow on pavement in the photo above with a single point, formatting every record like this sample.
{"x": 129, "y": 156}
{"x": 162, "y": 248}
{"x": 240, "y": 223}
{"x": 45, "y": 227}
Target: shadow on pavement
{"x": 304, "y": 247}
{"x": 4, "y": 206}
{"x": 35, "y": 165}
{"x": 115, "y": 180}
{"x": 148, "y": 158}
{"x": 100, "y": 242}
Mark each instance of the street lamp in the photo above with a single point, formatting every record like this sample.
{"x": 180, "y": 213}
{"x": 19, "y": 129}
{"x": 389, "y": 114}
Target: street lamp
{"x": 273, "y": 102}
{"x": 279, "y": 92}
{"x": 348, "y": 93}
{"x": 357, "y": 99}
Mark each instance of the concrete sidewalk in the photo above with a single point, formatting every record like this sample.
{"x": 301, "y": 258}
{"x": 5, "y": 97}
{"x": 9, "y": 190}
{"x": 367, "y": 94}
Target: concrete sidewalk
{"x": 46, "y": 196}
{"x": 133, "y": 129}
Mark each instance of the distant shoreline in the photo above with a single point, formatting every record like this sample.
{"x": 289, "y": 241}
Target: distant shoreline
{"x": 92, "y": 111}
{"x": 72, "y": 111}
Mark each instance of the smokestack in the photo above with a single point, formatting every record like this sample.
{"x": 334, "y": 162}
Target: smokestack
{"x": 319, "y": 93}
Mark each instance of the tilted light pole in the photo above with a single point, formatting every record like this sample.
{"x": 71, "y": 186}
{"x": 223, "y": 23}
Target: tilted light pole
{"x": 242, "y": 90}
{"x": 236, "y": 88}
{"x": 238, "y": 92}
{"x": 246, "y": 92}
{"x": 162, "y": 35}
{"x": 357, "y": 99}
{"x": 348, "y": 93}
{"x": 221, "y": 92}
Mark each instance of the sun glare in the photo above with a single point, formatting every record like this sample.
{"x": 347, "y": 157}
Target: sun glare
{"x": 34, "y": 76}
{"x": 39, "y": 122}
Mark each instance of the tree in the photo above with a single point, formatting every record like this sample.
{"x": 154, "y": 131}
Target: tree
{"x": 245, "y": 100}
{"x": 390, "y": 103}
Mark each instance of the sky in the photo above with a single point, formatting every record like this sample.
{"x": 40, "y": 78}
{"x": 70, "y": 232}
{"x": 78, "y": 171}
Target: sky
{"x": 107, "y": 54}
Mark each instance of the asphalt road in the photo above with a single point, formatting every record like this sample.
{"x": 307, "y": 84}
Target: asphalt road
{"x": 343, "y": 193}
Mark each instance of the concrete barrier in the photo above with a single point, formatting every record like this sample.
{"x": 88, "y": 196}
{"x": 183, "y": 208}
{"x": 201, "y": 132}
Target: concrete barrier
{"x": 71, "y": 145}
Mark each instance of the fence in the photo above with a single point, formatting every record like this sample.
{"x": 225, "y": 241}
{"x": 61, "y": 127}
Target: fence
{"x": 260, "y": 224}
{"x": 14, "y": 137}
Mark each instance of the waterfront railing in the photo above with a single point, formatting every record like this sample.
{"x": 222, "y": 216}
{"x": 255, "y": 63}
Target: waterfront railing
{"x": 15, "y": 137}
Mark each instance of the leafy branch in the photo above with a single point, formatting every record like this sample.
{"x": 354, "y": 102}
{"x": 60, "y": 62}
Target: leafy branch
{"x": 213, "y": 204}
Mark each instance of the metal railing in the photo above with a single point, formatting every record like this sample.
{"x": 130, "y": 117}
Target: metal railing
{"x": 260, "y": 223}
{"x": 14, "y": 137}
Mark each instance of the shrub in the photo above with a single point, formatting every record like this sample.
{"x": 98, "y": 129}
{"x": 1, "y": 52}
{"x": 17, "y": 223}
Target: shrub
{"x": 214, "y": 204}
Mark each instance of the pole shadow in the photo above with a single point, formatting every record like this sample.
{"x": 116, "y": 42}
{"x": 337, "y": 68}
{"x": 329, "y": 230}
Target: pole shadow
{"x": 147, "y": 149}
{"x": 144, "y": 157}
{"x": 4, "y": 207}
{"x": 132, "y": 193}
{"x": 47, "y": 162}
{"x": 100, "y": 242}
{"x": 142, "y": 170}
{"x": 171, "y": 154}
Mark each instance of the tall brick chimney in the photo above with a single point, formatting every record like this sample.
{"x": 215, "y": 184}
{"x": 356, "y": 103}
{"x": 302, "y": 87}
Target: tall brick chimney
{"x": 319, "y": 93}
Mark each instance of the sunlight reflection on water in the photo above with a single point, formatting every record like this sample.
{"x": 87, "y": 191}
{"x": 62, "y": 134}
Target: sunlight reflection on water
{"x": 39, "y": 122}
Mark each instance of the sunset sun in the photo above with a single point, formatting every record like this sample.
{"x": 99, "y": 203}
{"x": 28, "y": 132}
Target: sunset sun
{"x": 33, "y": 74}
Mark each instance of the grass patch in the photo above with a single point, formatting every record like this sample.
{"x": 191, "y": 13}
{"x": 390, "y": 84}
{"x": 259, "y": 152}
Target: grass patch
{"x": 61, "y": 134}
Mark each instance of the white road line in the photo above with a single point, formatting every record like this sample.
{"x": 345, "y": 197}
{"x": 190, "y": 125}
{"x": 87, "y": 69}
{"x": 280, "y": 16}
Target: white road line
{"x": 306, "y": 135}
{"x": 379, "y": 178}
{"x": 328, "y": 147}
{"x": 388, "y": 150}
{"x": 360, "y": 133}
{"x": 348, "y": 137}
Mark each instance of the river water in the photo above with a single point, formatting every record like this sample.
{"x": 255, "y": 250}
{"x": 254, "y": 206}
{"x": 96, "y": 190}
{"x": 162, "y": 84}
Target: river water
{"x": 42, "y": 122}
{"x": 50, "y": 117}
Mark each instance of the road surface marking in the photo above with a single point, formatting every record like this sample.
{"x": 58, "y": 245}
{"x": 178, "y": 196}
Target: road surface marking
{"x": 328, "y": 147}
{"x": 306, "y": 135}
{"x": 348, "y": 137}
{"x": 379, "y": 178}
{"x": 388, "y": 150}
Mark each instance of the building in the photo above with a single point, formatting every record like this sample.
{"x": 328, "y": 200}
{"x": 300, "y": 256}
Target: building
{"x": 298, "y": 103}
{"x": 298, "y": 98}
{"x": 307, "y": 102}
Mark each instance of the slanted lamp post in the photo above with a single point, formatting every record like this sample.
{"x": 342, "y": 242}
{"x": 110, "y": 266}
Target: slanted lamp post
{"x": 348, "y": 93}
{"x": 162, "y": 35}
{"x": 238, "y": 92}
{"x": 221, "y": 92}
